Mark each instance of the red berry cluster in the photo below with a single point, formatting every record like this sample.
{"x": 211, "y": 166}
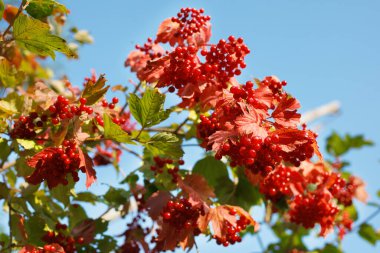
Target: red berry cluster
{"x": 67, "y": 242}
{"x": 105, "y": 104}
{"x": 190, "y": 21}
{"x": 24, "y": 128}
{"x": 181, "y": 68}
{"x": 160, "y": 164}
{"x": 182, "y": 214}
{"x": 274, "y": 84}
{"x": 225, "y": 59}
{"x": 231, "y": 232}
{"x": 311, "y": 209}
{"x": 62, "y": 109}
{"x": 262, "y": 149}
{"x": 277, "y": 183}
{"x": 53, "y": 165}
{"x": 148, "y": 49}
{"x": 343, "y": 190}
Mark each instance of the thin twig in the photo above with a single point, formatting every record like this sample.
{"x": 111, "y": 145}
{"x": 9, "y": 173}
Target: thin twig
{"x": 124, "y": 147}
{"x": 366, "y": 220}
{"x": 261, "y": 244}
{"x": 181, "y": 125}
{"x": 20, "y": 9}
{"x": 7, "y": 166}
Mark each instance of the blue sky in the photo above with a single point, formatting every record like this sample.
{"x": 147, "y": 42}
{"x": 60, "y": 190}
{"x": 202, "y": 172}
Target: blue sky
{"x": 326, "y": 50}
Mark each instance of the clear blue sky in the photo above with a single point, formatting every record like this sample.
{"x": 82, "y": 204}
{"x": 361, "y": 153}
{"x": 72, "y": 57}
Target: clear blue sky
{"x": 326, "y": 50}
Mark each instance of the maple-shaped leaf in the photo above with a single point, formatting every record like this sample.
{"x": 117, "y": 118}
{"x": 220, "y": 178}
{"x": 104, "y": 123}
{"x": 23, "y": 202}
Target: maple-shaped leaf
{"x": 94, "y": 91}
{"x": 202, "y": 37}
{"x": 264, "y": 96}
{"x": 86, "y": 229}
{"x": 154, "y": 70}
{"x": 249, "y": 122}
{"x": 87, "y": 163}
{"x": 156, "y": 203}
{"x": 169, "y": 237}
{"x": 32, "y": 162}
{"x": 285, "y": 114}
{"x": 291, "y": 139}
{"x": 218, "y": 138}
{"x": 197, "y": 188}
{"x": 222, "y": 217}
{"x": 166, "y": 31}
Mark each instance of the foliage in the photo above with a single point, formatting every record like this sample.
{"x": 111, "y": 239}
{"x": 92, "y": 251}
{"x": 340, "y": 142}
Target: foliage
{"x": 256, "y": 151}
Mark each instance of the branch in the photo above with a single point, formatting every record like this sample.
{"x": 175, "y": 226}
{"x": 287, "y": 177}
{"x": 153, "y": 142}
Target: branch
{"x": 7, "y": 166}
{"x": 319, "y": 112}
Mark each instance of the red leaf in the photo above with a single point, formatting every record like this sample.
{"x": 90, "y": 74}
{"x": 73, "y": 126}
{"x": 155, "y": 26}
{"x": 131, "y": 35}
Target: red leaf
{"x": 87, "y": 163}
{"x": 285, "y": 115}
{"x": 218, "y": 138}
{"x": 264, "y": 96}
{"x": 156, "y": 203}
{"x": 154, "y": 70}
{"x": 197, "y": 188}
{"x": 166, "y": 31}
{"x": 249, "y": 122}
{"x": 169, "y": 237}
{"x": 220, "y": 216}
{"x": 32, "y": 162}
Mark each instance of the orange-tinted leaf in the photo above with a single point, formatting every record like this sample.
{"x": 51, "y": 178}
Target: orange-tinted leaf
{"x": 218, "y": 138}
{"x": 249, "y": 122}
{"x": 285, "y": 114}
{"x": 87, "y": 163}
{"x": 156, "y": 203}
{"x": 166, "y": 31}
{"x": 197, "y": 188}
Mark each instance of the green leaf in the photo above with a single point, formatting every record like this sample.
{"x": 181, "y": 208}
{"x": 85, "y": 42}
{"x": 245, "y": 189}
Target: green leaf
{"x": 62, "y": 192}
{"x": 93, "y": 92}
{"x": 245, "y": 194}
{"x": 43, "y": 8}
{"x": 216, "y": 174}
{"x": 1, "y": 9}
{"x": 368, "y": 233}
{"x": 9, "y": 77}
{"x": 5, "y": 150}
{"x": 165, "y": 144}
{"x": 337, "y": 145}
{"x": 35, "y": 36}
{"x": 26, "y": 144}
{"x": 114, "y": 132}
{"x": 86, "y": 197}
{"x": 148, "y": 110}
{"x": 116, "y": 197}
{"x": 106, "y": 244}
{"x": 329, "y": 248}
{"x": 34, "y": 227}
{"x": 7, "y": 107}
{"x": 77, "y": 215}
{"x": 4, "y": 191}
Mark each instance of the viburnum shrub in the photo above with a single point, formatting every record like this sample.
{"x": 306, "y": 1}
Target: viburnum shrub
{"x": 257, "y": 150}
